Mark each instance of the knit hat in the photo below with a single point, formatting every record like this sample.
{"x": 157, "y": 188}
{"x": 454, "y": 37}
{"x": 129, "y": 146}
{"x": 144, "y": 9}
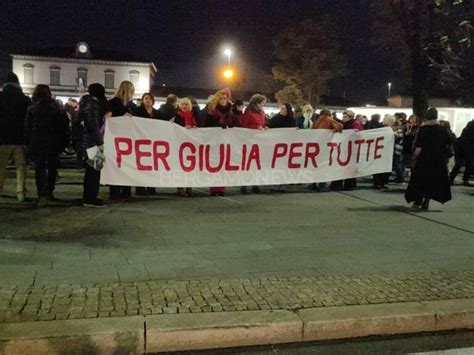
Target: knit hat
{"x": 97, "y": 90}
{"x": 12, "y": 78}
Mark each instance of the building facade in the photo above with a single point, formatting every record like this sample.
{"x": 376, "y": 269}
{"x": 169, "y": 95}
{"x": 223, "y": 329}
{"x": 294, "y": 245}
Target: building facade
{"x": 68, "y": 75}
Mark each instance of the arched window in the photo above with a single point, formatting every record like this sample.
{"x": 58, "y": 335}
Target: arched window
{"x": 135, "y": 78}
{"x": 109, "y": 79}
{"x": 28, "y": 73}
{"x": 55, "y": 75}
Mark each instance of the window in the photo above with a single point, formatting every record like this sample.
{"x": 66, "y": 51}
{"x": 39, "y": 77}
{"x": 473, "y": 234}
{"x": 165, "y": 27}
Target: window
{"x": 54, "y": 75}
{"x": 135, "y": 78}
{"x": 28, "y": 73}
{"x": 82, "y": 77}
{"x": 109, "y": 79}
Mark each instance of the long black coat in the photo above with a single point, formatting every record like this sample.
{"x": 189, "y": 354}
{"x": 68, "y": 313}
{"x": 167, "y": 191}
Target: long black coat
{"x": 47, "y": 128}
{"x": 429, "y": 177}
{"x": 13, "y": 106}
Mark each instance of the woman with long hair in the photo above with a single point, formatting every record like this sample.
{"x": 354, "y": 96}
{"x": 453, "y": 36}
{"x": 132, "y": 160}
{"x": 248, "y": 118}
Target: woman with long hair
{"x": 121, "y": 105}
{"x": 220, "y": 114}
{"x": 46, "y": 135}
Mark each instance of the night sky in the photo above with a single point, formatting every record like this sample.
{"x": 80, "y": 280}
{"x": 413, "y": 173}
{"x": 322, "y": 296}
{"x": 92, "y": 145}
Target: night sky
{"x": 184, "y": 38}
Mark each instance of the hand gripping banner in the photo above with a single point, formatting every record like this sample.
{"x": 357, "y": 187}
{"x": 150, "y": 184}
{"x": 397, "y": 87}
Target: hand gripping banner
{"x": 153, "y": 153}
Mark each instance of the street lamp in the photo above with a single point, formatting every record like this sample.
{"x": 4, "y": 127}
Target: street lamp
{"x": 228, "y": 53}
{"x": 389, "y": 88}
{"x": 228, "y": 74}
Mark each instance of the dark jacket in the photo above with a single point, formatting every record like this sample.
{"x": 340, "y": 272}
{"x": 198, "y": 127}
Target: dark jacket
{"x": 465, "y": 143}
{"x": 141, "y": 111}
{"x": 92, "y": 115}
{"x": 279, "y": 121}
{"x": 119, "y": 109}
{"x": 373, "y": 125}
{"x": 13, "y": 106}
{"x": 221, "y": 116}
{"x": 299, "y": 122}
{"x": 47, "y": 128}
{"x": 429, "y": 178}
{"x": 167, "y": 112}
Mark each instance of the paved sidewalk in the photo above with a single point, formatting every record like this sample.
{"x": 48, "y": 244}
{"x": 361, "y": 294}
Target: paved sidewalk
{"x": 76, "y": 301}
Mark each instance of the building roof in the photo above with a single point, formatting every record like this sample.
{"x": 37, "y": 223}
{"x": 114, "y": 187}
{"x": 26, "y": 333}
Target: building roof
{"x": 92, "y": 54}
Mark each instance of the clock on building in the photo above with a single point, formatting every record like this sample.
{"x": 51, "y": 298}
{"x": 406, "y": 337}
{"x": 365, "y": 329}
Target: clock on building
{"x": 82, "y": 47}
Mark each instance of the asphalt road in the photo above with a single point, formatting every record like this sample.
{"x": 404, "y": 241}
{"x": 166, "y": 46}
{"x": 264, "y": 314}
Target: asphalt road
{"x": 452, "y": 343}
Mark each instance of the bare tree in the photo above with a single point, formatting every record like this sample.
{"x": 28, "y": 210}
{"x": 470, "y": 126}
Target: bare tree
{"x": 308, "y": 55}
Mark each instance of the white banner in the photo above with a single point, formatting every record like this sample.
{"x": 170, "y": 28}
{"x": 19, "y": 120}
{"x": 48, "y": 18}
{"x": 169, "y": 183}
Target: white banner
{"x": 153, "y": 153}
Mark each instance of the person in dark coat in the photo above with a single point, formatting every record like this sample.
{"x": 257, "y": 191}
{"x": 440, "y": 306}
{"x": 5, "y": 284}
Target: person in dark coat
{"x": 196, "y": 109}
{"x": 13, "y": 106}
{"x": 464, "y": 154}
{"x": 374, "y": 122}
{"x": 169, "y": 109}
{"x": 238, "y": 110}
{"x": 146, "y": 110}
{"x": 284, "y": 119}
{"x": 122, "y": 105}
{"x": 92, "y": 112}
{"x": 46, "y": 135}
{"x": 429, "y": 179}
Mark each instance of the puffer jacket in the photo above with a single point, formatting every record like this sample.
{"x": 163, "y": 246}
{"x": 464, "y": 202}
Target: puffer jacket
{"x": 92, "y": 115}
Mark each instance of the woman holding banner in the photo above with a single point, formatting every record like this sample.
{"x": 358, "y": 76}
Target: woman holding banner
{"x": 185, "y": 118}
{"x": 146, "y": 110}
{"x": 121, "y": 104}
{"x": 220, "y": 114}
{"x": 254, "y": 118}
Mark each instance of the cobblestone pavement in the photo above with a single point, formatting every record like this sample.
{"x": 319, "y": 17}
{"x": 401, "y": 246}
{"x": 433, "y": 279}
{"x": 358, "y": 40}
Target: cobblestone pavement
{"x": 74, "y": 301}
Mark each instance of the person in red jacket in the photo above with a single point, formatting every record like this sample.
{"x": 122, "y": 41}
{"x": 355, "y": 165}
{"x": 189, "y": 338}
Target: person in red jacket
{"x": 185, "y": 117}
{"x": 254, "y": 118}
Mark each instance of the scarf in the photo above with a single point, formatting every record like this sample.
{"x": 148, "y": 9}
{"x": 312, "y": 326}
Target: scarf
{"x": 224, "y": 115}
{"x": 188, "y": 118}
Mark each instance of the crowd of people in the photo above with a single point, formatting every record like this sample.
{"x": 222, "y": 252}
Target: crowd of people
{"x": 41, "y": 128}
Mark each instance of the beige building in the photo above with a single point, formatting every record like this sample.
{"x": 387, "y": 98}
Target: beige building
{"x": 69, "y": 71}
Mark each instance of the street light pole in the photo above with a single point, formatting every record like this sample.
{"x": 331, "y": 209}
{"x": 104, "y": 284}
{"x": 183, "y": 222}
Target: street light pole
{"x": 228, "y": 53}
{"x": 389, "y": 89}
